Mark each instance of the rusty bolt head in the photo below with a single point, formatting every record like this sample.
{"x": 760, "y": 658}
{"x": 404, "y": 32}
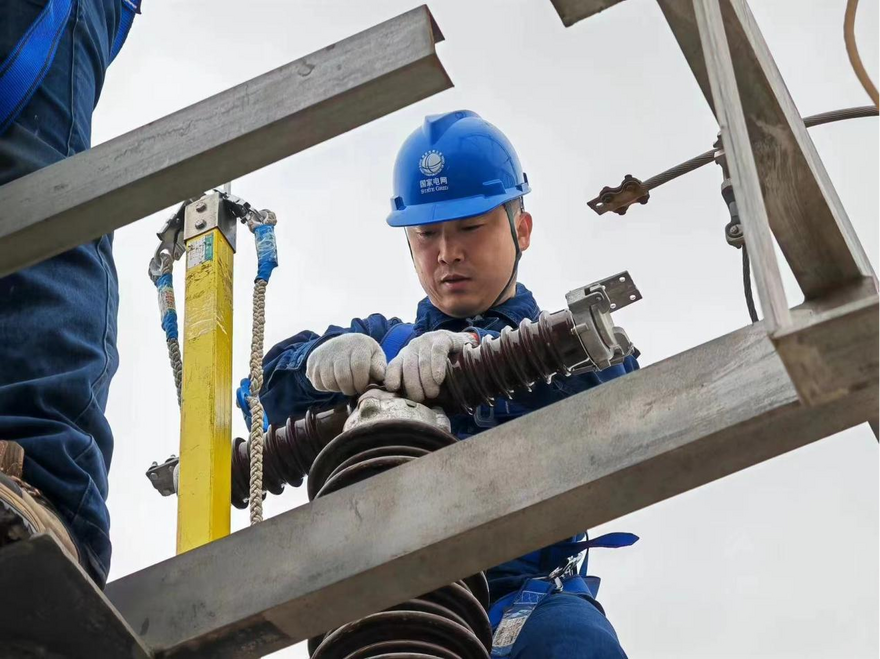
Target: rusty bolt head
{"x": 201, "y": 207}
{"x": 201, "y": 224}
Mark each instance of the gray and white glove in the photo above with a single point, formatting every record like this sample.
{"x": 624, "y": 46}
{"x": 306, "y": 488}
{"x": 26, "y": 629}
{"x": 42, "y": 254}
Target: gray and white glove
{"x": 346, "y": 364}
{"x": 420, "y": 368}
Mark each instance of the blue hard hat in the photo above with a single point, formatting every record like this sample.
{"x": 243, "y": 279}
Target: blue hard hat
{"x": 456, "y": 165}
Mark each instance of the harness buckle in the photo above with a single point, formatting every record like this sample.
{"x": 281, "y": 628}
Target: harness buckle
{"x": 565, "y": 572}
{"x": 171, "y": 246}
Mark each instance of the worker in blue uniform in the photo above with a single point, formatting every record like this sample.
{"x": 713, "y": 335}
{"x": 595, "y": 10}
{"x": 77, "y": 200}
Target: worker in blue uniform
{"x": 458, "y": 194}
{"x": 58, "y": 317}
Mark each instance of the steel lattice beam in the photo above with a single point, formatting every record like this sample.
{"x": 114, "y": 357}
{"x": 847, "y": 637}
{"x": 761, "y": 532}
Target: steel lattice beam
{"x": 805, "y": 213}
{"x": 626, "y": 445}
{"x": 221, "y": 138}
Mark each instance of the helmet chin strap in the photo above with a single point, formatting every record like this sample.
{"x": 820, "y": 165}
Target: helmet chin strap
{"x": 511, "y": 219}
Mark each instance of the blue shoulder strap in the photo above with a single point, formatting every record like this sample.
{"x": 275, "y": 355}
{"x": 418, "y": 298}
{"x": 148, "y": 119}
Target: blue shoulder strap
{"x": 395, "y": 339}
{"x": 609, "y": 540}
{"x": 23, "y": 70}
{"x": 26, "y": 66}
{"x": 129, "y": 9}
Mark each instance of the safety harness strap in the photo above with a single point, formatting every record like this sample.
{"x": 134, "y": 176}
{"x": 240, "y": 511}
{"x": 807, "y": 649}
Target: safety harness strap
{"x": 129, "y": 9}
{"x": 26, "y": 66}
{"x": 609, "y": 541}
{"x": 24, "y": 69}
{"x": 509, "y": 614}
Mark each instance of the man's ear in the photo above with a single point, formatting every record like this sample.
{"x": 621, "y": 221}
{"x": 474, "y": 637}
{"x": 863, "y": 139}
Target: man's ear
{"x": 524, "y": 230}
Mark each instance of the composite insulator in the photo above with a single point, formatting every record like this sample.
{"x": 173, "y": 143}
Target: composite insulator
{"x": 288, "y": 452}
{"x": 535, "y": 352}
{"x": 448, "y": 623}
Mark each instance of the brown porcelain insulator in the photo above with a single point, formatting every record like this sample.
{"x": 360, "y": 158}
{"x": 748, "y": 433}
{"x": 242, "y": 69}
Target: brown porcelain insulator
{"x": 288, "y": 452}
{"x": 450, "y": 622}
{"x": 515, "y": 361}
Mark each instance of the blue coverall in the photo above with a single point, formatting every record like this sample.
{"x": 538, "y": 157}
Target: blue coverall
{"x": 58, "y": 318}
{"x": 563, "y": 625}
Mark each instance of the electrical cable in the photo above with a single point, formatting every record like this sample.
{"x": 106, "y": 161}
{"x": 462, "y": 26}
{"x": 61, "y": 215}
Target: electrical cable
{"x": 849, "y": 37}
{"x": 709, "y": 156}
{"x": 747, "y": 286}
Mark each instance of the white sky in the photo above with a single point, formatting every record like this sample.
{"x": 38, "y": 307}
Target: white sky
{"x": 778, "y": 561}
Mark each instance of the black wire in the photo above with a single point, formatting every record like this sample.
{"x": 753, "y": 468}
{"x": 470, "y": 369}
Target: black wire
{"x": 839, "y": 115}
{"x": 678, "y": 170}
{"x": 747, "y": 286}
{"x": 709, "y": 156}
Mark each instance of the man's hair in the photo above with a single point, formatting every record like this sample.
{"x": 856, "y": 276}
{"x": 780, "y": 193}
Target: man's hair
{"x": 514, "y": 207}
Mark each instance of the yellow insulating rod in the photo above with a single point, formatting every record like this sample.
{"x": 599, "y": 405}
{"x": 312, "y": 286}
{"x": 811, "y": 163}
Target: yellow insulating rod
{"x": 204, "y": 489}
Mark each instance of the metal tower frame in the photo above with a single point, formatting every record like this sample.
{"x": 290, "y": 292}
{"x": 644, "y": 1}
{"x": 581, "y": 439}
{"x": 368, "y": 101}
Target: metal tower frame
{"x": 797, "y": 376}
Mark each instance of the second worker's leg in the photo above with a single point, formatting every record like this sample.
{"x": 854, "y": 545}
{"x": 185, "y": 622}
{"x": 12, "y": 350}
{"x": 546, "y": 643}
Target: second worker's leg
{"x": 58, "y": 318}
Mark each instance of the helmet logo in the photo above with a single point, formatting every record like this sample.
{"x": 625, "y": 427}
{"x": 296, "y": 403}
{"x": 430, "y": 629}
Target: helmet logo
{"x": 431, "y": 163}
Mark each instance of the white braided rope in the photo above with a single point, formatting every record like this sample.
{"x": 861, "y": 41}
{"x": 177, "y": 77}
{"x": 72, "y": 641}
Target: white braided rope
{"x": 255, "y": 445}
{"x": 176, "y": 366}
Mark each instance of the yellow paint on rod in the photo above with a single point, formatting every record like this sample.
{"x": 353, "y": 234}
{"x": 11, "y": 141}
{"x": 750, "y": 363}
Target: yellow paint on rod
{"x": 206, "y": 411}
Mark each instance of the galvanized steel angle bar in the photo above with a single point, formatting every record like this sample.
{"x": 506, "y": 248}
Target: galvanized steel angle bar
{"x": 804, "y": 211}
{"x": 240, "y": 130}
{"x": 741, "y": 163}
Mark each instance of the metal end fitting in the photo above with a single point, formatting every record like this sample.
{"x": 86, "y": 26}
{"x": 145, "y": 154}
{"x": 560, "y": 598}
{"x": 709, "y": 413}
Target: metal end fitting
{"x": 162, "y": 476}
{"x": 619, "y": 199}
{"x": 591, "y": 307}
{"x": 380, "y": 405}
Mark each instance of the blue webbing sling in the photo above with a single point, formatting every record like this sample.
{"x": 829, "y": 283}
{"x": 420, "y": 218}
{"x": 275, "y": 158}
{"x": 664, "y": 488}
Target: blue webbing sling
{"x": 23, "y": 70}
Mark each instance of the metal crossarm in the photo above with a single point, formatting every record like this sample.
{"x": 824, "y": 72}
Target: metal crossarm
{"x": 259, "y": 122}
{"x": 50, "y": 608}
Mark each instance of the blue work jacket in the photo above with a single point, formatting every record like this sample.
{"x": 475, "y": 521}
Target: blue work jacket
{"x": 287, "y": 392}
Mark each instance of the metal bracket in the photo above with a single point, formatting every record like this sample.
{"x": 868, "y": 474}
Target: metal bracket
{"x": 379, "y": 405}
{"x": 162, "y": 476}
{"x": 50, "y": 608}
{"x": 619, "y": 199}
{"x": 212, "y": 211}
{"x": 216, "y": 209}
{"x": 591, "y": 307}
{"x": 171, "y": 246}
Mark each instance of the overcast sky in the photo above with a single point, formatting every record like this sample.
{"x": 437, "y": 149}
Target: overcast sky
{"x": 778, "y": 561}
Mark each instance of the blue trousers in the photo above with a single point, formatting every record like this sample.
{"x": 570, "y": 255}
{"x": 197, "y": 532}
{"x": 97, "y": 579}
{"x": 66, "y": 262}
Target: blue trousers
{"x": 567, "y": 626}
{"x": 58, "y": 318}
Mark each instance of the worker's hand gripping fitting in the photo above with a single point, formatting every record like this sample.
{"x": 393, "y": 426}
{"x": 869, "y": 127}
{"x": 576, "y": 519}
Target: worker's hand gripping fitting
{"x": 346, "y": 364}
{"x": 420, "y": 368}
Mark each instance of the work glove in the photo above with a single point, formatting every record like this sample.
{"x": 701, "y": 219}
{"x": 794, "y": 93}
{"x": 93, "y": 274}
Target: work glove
{"x": 345, "y": 364}
{"x": 420, "y": 368}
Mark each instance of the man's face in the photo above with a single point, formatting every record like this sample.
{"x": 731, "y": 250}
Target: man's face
{"x": 463, "y": 265}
